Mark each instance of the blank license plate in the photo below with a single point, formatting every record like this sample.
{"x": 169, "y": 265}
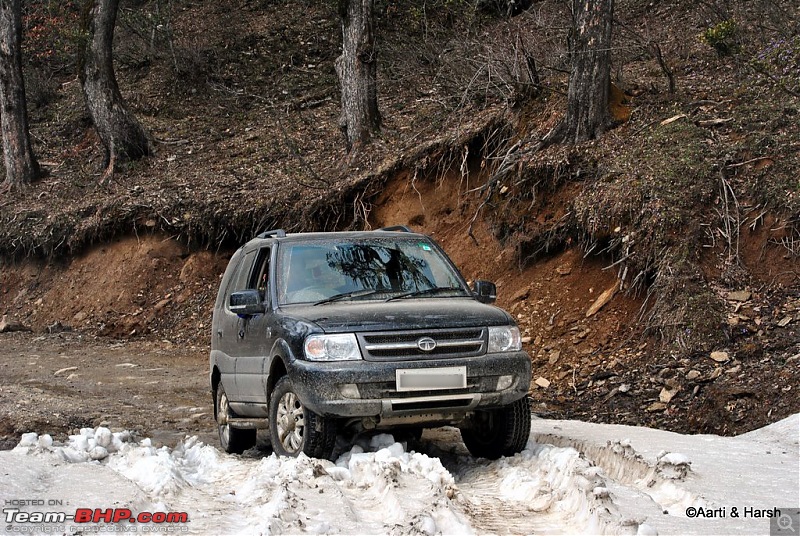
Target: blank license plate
{"x": 432, "y": 378}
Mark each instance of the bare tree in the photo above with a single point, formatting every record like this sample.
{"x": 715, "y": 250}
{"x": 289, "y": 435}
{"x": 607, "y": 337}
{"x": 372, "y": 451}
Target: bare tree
{"x": 122, "y": 135}
{"x": 357, "y": 69}
{"x": 590, "y": 73}
{"x": 21, "y": 165}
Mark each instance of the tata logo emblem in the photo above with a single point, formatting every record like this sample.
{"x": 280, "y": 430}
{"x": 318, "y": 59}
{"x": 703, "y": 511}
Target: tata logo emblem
{"x": 426, "y": 344}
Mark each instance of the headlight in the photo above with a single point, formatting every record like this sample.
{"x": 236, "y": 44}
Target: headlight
{"x": 340, "y": 347}
{"x": 504, "y": 339}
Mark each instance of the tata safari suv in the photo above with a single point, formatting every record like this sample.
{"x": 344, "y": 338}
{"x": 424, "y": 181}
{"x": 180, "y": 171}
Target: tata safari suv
{"x": 319, "y": 333}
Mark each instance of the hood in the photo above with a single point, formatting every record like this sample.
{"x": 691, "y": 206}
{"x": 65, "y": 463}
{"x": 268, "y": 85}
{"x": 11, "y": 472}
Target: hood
{"x": 426, "y": 313}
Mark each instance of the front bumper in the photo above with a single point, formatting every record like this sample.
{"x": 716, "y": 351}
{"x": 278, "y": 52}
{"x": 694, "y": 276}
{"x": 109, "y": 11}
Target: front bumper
{"x": 320, "y": 387}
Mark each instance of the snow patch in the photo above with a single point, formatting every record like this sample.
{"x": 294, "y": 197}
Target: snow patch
{"x": 575, "y": 477}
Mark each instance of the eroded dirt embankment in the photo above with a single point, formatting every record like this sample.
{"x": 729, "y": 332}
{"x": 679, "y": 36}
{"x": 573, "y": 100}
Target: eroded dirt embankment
{"x": 590, "y": 358}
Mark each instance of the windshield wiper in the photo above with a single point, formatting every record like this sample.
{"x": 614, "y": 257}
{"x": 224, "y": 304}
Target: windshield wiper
{"x": 425, "y": 292}
{"x": 343, "y": 295}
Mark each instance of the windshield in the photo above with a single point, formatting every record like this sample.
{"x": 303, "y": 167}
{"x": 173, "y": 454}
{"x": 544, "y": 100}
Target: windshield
{"x": 372, "y": 268}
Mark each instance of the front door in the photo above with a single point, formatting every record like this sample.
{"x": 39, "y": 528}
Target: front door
{"x": 257, "y": 338}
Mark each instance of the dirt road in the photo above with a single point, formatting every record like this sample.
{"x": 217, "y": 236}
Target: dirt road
{"x": 62, "y": 382}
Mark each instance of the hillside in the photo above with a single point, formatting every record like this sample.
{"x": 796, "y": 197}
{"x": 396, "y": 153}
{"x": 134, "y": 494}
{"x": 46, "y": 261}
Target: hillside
{"x": 686, "y": 214}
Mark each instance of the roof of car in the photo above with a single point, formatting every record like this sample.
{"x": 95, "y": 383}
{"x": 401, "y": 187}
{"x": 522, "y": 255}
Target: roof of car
{"x": 279, "y": 235}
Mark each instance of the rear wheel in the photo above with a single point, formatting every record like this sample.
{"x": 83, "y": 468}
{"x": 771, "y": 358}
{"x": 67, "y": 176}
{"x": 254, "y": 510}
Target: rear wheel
{"x": 293, "y": 428}
{"x": 501, "y": 432}
{"x": 232, "y": 440}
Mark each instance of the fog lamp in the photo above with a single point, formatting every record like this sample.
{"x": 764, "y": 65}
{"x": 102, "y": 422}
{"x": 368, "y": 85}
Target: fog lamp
{"x": 504, "y": 382}
{"x": 349, "y": 390}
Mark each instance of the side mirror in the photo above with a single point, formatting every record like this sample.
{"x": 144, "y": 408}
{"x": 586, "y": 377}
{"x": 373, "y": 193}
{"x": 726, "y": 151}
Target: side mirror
{"x": 246, "y": 303}
{"x": 485, "y": 291}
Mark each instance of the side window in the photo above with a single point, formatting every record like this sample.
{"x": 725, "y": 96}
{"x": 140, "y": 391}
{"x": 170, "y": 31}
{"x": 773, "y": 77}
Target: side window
{"x": 262, "y": 272}
{"x": 241, "y": 278}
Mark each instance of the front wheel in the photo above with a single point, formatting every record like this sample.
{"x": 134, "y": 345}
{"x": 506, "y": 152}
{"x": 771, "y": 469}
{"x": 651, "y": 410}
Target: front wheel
{"x": 500, "y": 432}
{"x": 293, "y": 428}
{"x": 232, "y": 440}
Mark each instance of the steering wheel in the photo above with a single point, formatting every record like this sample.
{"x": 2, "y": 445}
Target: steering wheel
{"x": 312, "y": 293}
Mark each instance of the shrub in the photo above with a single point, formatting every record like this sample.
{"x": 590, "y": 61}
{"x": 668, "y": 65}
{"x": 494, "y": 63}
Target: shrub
{"x": 722, "y": 37}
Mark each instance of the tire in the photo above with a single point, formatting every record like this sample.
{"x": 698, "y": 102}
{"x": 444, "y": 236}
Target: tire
{"x": 231, "y": 440}
{"x": 293, "y": 428}
{"x": 500, "y": 432}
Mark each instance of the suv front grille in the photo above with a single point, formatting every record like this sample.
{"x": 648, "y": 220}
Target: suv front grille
{"x": 405, "y": 345}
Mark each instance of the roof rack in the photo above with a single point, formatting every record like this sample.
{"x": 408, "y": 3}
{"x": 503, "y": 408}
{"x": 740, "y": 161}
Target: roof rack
{"x": 279, "y": 233}
{"x": 401, "y": 228}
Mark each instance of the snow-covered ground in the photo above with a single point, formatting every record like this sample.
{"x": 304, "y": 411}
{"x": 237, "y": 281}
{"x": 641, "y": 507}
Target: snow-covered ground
{"x": 573, "y": 477}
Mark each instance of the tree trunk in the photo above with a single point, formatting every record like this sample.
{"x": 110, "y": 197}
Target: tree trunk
{"x": 590, "y": 74}
{"x": 123, "y": 137}
{"x": 357, "y": 68}
{"x": 21, "y": 165}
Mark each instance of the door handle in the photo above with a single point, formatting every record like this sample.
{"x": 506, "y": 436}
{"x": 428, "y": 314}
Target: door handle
{"x": 219, "y": 333}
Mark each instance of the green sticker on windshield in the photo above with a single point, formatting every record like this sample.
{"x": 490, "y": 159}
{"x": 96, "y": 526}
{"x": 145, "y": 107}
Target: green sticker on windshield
{"x": 426, "y": 247}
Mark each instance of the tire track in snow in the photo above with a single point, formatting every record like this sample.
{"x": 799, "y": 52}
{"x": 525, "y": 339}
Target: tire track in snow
{"x": 659, "y": 483}
{"x": 544, "y": 489}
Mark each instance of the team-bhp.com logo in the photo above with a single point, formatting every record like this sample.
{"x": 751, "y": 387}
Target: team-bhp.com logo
{"x": 94, "y": 515}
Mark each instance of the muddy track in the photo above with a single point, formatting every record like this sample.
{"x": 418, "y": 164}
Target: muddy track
{"x": 60, "y": 383}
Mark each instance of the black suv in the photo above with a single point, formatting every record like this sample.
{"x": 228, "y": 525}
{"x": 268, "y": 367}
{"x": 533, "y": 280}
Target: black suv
{"x": 315, "y": 333}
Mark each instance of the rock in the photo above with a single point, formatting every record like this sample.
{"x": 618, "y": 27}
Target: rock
{"x": 554, "y": 355}
{"x": 57, "y": 327}
{"x": 564, "y": 270}
{"x": 656, "y": 406}
{"x": 740, "y": 295}
{"x": 7, "y": 325}
{"x": 98, "y": 453}
{"x": 613, "y": 392}
{"x": 542, "y": 382}
{"x": 716, "y": 374}
{"x": 163, "y": 303}
{"x": 63, "y": 370}
{"x": 692, "y": 375}
{"x": 521, "y": 294}
{"x": 734, "y": 370}
{"x": 602, "y": 300}
{"x": 785, "y": 321}
{"x": 673, "y": 384}
{"x": 624, "y": 388}
{"x": 666, "y": 395}
{"x": 720, "y": 357}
